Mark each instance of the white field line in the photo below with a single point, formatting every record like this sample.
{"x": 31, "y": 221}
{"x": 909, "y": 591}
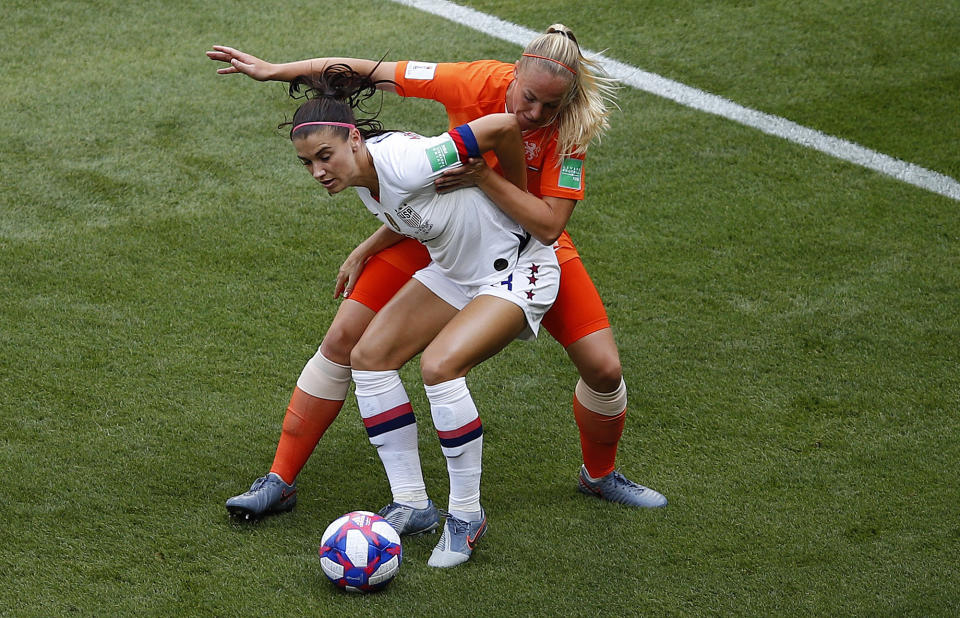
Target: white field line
{"x": 710, "y": 103}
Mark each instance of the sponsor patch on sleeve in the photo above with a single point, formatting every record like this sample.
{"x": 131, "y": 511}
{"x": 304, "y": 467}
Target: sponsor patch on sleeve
{"x": 571, "y": 174}
{"x": 442, "y": 155}
{"x": 420, "y": 70}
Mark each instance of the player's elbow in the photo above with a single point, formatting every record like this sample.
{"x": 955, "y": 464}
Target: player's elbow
{"x": 551, "y": 219}
{"x": 547, "y": 232}
{"x": 546, "y": 238}
{"x": 507, "y": 123}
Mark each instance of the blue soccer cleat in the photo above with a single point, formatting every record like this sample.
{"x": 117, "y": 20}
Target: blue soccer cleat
{"x": 458, "y": 540}
{"x": 268, "y": 495}
{"x": 407, "y": 520}
{"x": 617, "y": 488}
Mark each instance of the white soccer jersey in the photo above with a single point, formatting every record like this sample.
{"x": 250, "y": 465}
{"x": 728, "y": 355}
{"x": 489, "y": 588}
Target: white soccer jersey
{"x": 471, "y": 240}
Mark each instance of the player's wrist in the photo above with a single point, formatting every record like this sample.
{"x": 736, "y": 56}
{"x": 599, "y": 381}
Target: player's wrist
{"x": 284, "y": 72}
{"x": 483, "y": 175}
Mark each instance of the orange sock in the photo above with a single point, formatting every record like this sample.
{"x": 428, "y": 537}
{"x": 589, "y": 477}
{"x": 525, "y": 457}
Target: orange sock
{"x": 599, "y": 438}
{"x": 306, "y": 420}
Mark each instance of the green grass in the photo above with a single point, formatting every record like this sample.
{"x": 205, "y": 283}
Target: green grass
{"x": 788, "y": 323}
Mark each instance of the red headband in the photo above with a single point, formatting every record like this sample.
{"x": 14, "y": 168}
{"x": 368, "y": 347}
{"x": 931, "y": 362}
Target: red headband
{"x": 329, "y": 124}
{"x": 551, "y": 60}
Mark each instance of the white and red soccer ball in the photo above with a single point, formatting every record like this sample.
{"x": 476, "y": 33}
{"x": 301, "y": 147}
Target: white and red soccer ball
{"x": 360, "y": 552}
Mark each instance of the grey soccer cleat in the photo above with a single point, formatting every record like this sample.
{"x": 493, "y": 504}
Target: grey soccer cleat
{"x": 458, "y": 540}
{"x": 407, "y": 520}
{"x": 617, "y": 488}
{"x": 268, "y": 495}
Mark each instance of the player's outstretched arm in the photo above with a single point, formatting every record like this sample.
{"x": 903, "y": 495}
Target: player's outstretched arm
{"x": 236, "y": 61}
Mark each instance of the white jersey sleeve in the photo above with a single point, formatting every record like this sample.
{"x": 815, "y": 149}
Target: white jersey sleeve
{"x": 410, "y": 163}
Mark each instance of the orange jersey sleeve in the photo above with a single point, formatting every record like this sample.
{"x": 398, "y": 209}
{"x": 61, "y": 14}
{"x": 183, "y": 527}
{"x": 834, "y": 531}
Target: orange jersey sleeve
{"x": 468, "y": 90}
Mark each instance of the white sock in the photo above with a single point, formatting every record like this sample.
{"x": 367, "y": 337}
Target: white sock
{"x": 461, "y": 440}
{"x": 392, "y": 428}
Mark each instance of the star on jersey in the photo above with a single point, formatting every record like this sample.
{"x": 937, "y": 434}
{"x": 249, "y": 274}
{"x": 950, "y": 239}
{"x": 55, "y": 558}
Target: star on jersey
{"x": 534, "y": 269}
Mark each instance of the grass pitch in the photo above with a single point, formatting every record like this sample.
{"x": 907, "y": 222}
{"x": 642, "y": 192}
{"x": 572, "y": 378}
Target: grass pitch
{"x": 788, "y": 323}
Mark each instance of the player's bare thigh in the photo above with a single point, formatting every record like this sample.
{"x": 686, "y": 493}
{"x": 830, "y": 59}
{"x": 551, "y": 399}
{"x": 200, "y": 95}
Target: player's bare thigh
{"x": 481, "y": 329}
{"x": 402, "y": 329}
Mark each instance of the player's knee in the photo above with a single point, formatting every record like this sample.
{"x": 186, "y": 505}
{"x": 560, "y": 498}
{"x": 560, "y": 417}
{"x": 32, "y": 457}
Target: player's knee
{"x": 339, "y": 342}
{"x": 435, "y": 368}
{"x": 432, "y": 371}
{"x": 603, "y": 374}
{"x": 365, "y": 357}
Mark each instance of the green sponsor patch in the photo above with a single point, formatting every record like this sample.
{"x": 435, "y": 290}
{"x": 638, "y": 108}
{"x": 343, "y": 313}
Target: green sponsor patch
{"x": 442, "y": 155}
{"x": 571, "y": 174}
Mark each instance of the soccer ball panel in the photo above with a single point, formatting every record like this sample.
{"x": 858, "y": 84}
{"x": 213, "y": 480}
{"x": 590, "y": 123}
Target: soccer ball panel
{"x": 358, "y": 547}
{"x": 334, "y": 570}
{"x": 385, "y": 530}
{"x": 334, "y": 525}
{"x": 386, "y": 572}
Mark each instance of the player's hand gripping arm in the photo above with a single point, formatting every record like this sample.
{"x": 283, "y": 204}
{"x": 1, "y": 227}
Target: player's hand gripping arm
{"x": 352, "y": 267}
{"x": 261, "y": 70}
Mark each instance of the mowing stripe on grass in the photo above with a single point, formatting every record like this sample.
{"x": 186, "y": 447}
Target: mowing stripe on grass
{"x": 710, "y": 103}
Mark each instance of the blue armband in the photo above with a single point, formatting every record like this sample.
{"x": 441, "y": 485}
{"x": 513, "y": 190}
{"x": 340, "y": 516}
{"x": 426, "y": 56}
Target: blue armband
{"x": 465, "y": 141}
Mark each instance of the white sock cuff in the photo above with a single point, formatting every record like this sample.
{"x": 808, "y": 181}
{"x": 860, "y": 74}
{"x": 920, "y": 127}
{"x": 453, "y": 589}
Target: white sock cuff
{"x": 373, "y": 383}
{"x": 324, "y": 378}
{"x": 607, "y": 404}
{"x": 447, "y": 392}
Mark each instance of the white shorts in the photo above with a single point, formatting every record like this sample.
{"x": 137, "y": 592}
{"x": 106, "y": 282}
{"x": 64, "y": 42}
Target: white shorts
{"x": 532, "y": 285}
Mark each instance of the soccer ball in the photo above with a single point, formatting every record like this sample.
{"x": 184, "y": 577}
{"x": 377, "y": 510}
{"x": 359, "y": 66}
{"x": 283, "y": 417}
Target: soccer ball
{"x": 360, "y": 552}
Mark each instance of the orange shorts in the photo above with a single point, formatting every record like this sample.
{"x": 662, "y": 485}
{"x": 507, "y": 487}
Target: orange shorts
{"x": 577, "y": 312}
{"x": 386, "y": 272}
